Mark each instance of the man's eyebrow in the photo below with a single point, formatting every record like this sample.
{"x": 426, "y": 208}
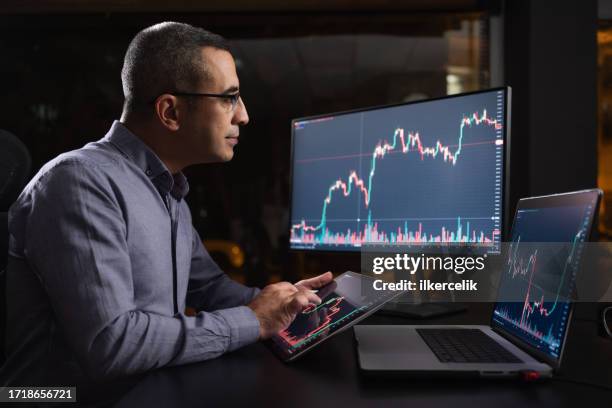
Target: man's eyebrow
{"x": 231, "y": 90}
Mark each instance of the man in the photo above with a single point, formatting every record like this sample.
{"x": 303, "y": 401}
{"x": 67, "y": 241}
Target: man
{"x": 103, "y": 256}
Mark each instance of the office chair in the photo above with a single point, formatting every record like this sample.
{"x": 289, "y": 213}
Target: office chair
{"x": 15, "y": 163}
{"x": 3, "y": 259}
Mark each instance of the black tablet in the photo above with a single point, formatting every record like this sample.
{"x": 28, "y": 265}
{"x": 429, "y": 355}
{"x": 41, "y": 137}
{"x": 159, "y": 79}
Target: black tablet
{"x": 345, "y": 301}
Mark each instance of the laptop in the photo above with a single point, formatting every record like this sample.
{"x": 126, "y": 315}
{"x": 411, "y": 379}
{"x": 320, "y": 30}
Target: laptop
{"x": 527, "y": 334}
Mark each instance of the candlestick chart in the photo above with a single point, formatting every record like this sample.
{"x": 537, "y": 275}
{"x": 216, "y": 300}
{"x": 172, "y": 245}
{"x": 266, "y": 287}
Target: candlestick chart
{"x": 416, "y": 174}
{"x": 344, "y": 301}
{"x": 541, "y": 265}
{"x": 318, "y": 320}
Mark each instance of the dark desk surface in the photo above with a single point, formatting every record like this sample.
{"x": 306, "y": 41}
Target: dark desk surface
{"x": 329, "y": 376}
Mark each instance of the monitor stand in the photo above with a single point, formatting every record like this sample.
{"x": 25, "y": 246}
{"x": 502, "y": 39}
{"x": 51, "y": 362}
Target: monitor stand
{"x": 421, "y": 310}
{"x": 416, "y": 306}
{"x": 419, "y": 305}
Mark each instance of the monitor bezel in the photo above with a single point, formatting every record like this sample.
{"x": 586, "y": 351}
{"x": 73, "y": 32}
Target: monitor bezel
{"x": 533, "y": 202}
{"x": 506, "y": 162}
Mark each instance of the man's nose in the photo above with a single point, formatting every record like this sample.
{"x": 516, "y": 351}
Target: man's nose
{"x": 241, "y": 117}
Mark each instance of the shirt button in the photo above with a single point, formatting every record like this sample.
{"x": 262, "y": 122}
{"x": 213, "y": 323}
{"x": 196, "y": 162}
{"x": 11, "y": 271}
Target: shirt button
{"x": 148, "y": 172}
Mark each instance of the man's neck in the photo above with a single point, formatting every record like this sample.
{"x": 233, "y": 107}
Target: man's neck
{"x": 157, "y": 142}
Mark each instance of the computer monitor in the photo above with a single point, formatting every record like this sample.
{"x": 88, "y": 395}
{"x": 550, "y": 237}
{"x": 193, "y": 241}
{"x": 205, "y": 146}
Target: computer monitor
{"x": 416, "y": 174}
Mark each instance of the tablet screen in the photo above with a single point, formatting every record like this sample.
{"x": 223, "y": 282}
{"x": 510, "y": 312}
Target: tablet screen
{"x": 346, "y": 300}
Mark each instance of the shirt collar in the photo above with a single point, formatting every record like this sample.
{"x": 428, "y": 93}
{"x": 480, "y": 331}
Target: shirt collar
{"x": 137, "y": 151}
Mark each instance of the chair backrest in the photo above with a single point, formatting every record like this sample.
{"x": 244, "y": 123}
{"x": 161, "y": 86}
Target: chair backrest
{"x": 15, "y": 163}
{"x": 3, "y": 240}
{"x": 3, "y": 260}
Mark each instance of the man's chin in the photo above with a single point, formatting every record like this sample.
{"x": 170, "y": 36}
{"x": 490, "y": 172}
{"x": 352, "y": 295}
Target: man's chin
{"x": 230, "y": 154}
{"x": 227, "y": 156}
{"x": 221, "y": 157}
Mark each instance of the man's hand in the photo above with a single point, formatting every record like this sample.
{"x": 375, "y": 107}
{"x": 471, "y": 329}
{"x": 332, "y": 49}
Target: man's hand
{"x": 316, "y": 282}
{"x": 277, "y": 305}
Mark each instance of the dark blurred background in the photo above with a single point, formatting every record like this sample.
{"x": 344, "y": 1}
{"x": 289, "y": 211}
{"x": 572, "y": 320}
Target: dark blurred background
{"x": 60, "y": 87}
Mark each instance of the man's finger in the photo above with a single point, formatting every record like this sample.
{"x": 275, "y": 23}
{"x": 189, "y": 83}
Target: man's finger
{"x": 312, "y": 297}
{"x": 286, "y": 287}
{"x": 317, "y": 281}
{"x": 298, "y": 303}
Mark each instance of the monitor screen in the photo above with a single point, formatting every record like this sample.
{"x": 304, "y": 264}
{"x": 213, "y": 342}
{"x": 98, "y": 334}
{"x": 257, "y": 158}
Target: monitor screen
{"x": 539, "y": 278}
{"x": 416, "y": 174}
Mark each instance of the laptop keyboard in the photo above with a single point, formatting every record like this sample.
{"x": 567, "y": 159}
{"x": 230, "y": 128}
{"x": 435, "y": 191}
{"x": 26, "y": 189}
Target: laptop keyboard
{"x": 465, "y": 346}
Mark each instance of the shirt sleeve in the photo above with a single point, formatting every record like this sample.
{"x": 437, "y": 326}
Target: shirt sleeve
{"x": 76, "y": 243}
{"x": 209, "y": 287}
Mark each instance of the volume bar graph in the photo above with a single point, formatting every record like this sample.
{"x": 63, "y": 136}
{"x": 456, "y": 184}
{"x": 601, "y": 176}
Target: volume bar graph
{"x": 371, "y": 234}
{"x": 548, "y": 337}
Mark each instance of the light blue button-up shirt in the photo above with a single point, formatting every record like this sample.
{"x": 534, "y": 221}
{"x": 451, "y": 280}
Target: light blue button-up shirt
{"x": 94, "y": 289}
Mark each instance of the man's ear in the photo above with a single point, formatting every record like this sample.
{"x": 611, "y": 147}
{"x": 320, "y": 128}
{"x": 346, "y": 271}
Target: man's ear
{"x": 167, "y": 110}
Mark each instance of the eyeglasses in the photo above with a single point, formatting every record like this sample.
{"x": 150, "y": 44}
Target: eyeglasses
{"x": 232, "y": 98}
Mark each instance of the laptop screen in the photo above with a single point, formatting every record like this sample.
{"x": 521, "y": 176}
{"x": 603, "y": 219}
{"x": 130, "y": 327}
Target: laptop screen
{"x": 538, "y": 279}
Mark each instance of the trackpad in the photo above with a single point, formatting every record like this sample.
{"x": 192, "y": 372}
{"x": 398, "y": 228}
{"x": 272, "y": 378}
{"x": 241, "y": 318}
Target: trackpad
{"x": 392, "y": 348}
